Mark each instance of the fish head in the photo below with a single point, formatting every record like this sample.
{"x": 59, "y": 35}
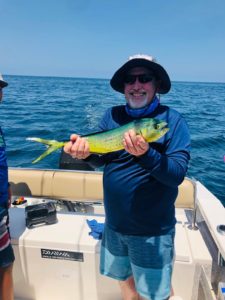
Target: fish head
{"x": 151, "y": 129}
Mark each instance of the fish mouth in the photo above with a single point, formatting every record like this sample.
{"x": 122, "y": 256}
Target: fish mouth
{"x": 162, "y": 128}
{"x": 162, "y": 125}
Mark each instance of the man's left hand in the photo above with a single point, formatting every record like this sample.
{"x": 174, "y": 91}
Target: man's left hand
{"x": 135, "y": 144}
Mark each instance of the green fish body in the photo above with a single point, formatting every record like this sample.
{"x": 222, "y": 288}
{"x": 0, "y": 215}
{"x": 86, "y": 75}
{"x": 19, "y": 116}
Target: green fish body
{"x": 112, "y": 140}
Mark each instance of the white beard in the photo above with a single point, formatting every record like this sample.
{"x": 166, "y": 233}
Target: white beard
{"x": 137, "y": 104}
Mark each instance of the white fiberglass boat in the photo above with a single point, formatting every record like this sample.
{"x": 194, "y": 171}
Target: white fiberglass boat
{"x": 60, "y": 261}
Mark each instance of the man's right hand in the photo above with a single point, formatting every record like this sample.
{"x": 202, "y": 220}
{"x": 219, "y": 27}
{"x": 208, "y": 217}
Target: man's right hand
{"x": 78, "y": 147}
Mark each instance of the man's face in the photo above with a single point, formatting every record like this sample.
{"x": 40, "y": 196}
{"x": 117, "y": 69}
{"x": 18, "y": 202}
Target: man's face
{"x": 139, "y": 87}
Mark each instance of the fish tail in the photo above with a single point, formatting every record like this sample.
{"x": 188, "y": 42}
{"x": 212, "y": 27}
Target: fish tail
{"x": 52, "y": 145}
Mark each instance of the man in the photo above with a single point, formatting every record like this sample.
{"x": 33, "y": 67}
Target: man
{"x": 6, "y": 251}
{"x": 140, "y": 184}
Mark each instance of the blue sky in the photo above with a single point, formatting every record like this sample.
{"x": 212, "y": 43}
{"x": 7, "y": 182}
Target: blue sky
{"x": 92, "y": 38}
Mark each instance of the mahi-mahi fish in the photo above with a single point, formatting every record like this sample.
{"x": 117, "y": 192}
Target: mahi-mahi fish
{"x": 112, "y": 140}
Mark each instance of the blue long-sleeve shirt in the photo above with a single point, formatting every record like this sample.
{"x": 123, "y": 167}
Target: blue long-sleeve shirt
{"x": 3, "y": 173}
{"x": 139, "y": 192}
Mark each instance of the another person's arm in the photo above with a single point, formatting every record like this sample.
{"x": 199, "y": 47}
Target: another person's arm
{"x": 3, "y": 173}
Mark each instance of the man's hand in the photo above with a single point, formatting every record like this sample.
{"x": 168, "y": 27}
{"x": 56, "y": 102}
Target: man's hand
{"x": 78, "y": 147}
{"x": 135, "y": 144}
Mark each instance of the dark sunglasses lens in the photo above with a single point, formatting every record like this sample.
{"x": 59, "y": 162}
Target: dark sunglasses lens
{"x": 144, "y": 78}
{"x": 130, "y": 79}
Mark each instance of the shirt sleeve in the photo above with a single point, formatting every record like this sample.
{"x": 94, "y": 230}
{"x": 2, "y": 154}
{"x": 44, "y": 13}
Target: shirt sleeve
{"x": 170, "y": 166}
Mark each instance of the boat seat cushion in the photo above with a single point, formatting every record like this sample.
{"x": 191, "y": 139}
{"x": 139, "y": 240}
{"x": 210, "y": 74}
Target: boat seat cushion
{"x": 75, "y": 185}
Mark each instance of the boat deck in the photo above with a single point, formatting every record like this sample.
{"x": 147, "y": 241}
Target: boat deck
{"x": 192, "y": 255}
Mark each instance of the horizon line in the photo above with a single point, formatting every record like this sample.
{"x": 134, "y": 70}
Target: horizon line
{"x": 98, "y": 78}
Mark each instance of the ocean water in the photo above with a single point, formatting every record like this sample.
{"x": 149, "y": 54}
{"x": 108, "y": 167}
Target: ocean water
{"x": 55, "y": 107}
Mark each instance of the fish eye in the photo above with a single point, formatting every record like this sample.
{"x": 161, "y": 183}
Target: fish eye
{"x": 156, "y": 126}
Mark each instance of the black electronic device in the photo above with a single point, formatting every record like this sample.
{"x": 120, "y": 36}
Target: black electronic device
{"x": 43, "y": 213}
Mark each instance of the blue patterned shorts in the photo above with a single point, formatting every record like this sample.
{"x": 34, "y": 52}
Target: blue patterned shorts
{"x": 149, "y": 259}
{"x": 6, "y": 250}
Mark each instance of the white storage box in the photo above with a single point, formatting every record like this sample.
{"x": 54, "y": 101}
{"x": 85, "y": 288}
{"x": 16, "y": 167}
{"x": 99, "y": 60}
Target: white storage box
{"x": 58, "y": 261}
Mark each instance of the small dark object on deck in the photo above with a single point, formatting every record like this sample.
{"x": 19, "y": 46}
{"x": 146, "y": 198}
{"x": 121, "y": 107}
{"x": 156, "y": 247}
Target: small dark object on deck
{"x": 40, "y": 213}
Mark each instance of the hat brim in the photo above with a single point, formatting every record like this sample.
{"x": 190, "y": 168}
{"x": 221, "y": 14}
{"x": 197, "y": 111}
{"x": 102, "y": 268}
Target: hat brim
{"x": 117, "y": 81}
{"x": 3, "y": 83}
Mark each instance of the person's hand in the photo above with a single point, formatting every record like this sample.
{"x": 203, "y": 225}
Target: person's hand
{"x": 135, "y": 144}
{"x": 9, "y": 197}
{"x": 78, "y": 147}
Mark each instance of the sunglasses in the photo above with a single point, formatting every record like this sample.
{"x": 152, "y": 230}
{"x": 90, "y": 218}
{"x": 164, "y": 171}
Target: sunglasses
{"x": 142, "y": 78}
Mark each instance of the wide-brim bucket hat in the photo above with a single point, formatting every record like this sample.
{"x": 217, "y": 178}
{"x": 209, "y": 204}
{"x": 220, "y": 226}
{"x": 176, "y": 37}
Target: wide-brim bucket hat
{"x": 141, "y": 60}
{"x": 3, "y": 83}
